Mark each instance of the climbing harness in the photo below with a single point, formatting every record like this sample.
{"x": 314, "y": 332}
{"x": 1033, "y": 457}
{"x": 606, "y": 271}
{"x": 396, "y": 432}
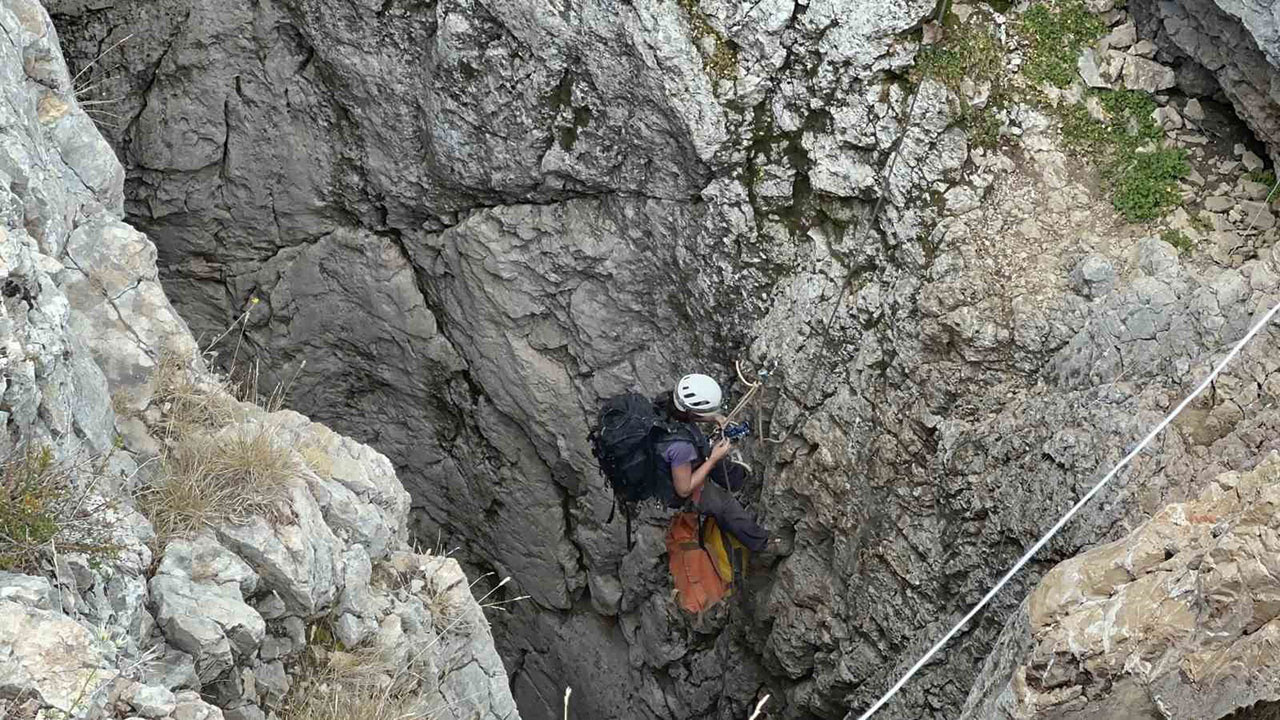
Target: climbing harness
{"x": 1026, "y": 557}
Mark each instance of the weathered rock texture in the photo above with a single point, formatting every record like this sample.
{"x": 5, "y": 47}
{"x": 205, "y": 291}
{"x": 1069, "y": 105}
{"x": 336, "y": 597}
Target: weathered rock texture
{"x": 1237, "y": 42}
{"x": 1177, "y": 620}
{"x": 85, "y": 326}
{"x": 473, "y": 221}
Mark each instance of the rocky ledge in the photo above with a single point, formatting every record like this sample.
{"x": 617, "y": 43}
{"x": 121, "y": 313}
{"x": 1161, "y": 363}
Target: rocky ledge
{"x": 1177, "y": 620}
{"x": 121, "y": 597}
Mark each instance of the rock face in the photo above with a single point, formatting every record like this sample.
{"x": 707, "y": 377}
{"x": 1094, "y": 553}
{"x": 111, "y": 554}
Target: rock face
{"x": 1237, "y": 42}
{"x": 221, "y": 616}
{"x": 472, "y": 222}
{"x": 1176, "y": 620}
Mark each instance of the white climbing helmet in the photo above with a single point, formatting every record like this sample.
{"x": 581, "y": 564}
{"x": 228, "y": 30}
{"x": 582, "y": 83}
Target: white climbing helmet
{"x": 697, "y": 394}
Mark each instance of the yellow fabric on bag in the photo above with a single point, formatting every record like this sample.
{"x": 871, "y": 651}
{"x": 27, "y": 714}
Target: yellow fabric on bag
{"x": 727, "y": 554}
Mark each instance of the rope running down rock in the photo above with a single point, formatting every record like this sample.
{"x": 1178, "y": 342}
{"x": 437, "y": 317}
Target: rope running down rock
{"x": 1022, "y": 561}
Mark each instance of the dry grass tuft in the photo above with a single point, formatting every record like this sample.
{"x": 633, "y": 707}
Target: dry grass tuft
{"x": 360, "y": 685}
{"x": 318, "y": 459}
{"x": 188, "y": 407}
{"x": 230, "y": 477}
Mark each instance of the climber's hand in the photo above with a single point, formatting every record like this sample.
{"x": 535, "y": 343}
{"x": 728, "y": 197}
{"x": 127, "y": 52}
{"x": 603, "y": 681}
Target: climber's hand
{"x": 720, "y": 450}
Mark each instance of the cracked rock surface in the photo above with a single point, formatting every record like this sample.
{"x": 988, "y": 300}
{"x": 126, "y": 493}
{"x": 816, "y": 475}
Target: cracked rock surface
{"x": 131, "y": 625}
{"x": 1237, "y": 43}
{"x": 452, "y": 227}
{"x": 1175, "y": 620}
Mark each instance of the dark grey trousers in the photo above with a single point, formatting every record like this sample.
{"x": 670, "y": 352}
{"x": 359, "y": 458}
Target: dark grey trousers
{"x": 729, "y": 513}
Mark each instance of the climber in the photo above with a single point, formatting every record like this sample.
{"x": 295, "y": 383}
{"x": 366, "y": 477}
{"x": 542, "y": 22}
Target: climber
{"x": 696, "y": 399}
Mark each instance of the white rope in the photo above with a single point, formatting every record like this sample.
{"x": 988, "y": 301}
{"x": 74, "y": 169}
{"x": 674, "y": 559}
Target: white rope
{"x": 1071, "y": 513}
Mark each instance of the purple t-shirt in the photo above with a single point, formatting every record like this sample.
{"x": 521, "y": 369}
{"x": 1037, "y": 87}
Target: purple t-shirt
{"x": 680, "y": 452}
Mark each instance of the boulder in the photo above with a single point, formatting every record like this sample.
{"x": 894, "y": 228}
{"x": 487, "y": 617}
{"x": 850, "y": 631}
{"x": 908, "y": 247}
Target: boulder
{"x": 1193, "y": 110}
{"x": 1087, "y": 65}
{"x": 1146, "y": 75}
{"x": 49, "y": 656}
{"x": 1121, "y": 37}
{"x": 206, "y": 620}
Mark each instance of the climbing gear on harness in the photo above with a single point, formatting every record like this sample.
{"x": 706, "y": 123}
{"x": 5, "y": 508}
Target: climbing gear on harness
{"x": 697, "y": 394}
{"x": 736, "y": 431}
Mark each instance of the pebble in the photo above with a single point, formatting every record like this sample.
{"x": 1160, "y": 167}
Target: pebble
{"x": 1251, "y": 161}
{"x": 1144, "y": 48}
{"x": 1238, "y": 149}
{"x": 1121, "y": 37}
{"x": 1193, "y": 110}
{"x": 1195, "y": 178}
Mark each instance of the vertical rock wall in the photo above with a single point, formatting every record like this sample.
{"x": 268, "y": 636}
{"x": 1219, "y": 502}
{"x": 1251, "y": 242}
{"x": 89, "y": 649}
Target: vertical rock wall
{"x": 471, "y": 221}
{"x": 118, "y": 622}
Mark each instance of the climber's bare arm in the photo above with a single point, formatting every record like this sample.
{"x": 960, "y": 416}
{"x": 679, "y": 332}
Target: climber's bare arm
{"x": 687, "y": 480}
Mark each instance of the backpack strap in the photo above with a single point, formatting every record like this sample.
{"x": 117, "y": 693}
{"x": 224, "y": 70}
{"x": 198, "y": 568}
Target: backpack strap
{"x": 626, "y": 510}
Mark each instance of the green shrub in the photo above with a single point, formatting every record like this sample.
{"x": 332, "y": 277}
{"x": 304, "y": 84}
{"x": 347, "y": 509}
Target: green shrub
{"x": 1179, "y": 240}
{"x": 1055, "y": 33}
{"x": 1142, "y": 176}
{"x": 1266, "y": 177}
{"x": 968, "y": 51}
{"x": 49, "y": 507}
{"x": 1145, "y": 184}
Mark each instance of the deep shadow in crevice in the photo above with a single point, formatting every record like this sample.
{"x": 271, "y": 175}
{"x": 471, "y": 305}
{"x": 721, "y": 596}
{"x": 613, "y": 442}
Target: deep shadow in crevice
{"x": 1258, "y": 711}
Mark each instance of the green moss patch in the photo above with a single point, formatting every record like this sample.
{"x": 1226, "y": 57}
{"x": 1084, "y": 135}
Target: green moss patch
{"x": 968, "y": 51}
{"x": 1055, "y": 34}
{"x": 1126, "y": 146}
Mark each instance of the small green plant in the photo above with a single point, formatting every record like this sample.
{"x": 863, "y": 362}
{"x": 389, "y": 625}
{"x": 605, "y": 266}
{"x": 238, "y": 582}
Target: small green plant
{"x": 723, "y": 61}
{"x": 984, "y": 128}
{"x": 1266, "y": 177}
{"x": 968, "y": 52}
{"x": 1055, "y": 33}
{"x": 1142, "y": 175}
{"x": 1146, "y": 183}
{"x": 48, "y": 506}
{"x": 1179, "y": 240}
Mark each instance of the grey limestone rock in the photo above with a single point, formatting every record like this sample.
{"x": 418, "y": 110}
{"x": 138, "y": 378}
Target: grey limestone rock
{"x": 1147, "y": 75}
{"x": 1087, "y": 65}
{"x": 152, "y": 701}
{"x": 471, "y": 222}
{"x": 198, "y": 598}
{"x": 1094, "y": 276}
{"x": 27, "y": 590}
{"x": 1183, "y": 589}
{"x": 301, "y": 561}
{"x": 47, "y": 655}
{"x": 1237, "y": 42}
